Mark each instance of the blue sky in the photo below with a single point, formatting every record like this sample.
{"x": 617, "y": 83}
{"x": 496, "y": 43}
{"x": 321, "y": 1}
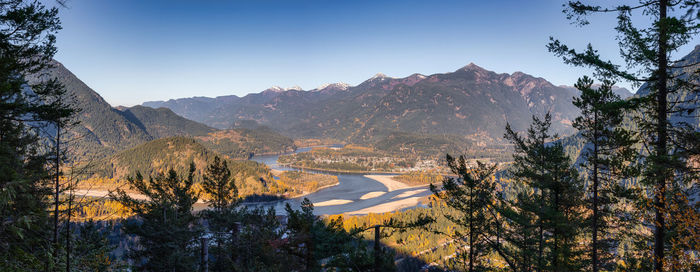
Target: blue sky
{"x": 136, "y": 51}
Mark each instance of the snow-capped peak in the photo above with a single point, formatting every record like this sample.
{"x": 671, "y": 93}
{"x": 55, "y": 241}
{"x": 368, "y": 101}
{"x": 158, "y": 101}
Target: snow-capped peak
{"x": 340, "y": 86}
{"x": 418, "y": 76}
{"x": 379, "y": 75}
{"x": 275, "y": 89}
{"x": 278, "y": 89}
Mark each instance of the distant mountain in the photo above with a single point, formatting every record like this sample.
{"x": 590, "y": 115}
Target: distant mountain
{"x": 162, "y": 122}
{"x": 469, "y": 101}
{"x": 624, "y": 93}
{"x": 687, "y": 98}
{"x": 198, "y": 108}
{"x": 104, "y": 130}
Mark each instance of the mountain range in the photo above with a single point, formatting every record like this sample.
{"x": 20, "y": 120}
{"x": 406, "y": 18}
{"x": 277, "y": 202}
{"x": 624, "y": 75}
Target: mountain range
{"x": 471, "y": 101}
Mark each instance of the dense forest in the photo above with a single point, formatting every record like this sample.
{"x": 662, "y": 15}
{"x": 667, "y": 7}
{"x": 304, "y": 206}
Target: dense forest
{"x": 621, "y": 194}
{"x": 244, "y": 142}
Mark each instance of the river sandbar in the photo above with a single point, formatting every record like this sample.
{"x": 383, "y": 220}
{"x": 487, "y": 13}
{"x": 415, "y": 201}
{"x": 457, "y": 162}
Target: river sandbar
{"x": 389, "y": 206}
{"x": 409, "y": 193}
{"x": 372, "y": 195}
{"x": 390, "y": 183}
{"x": 332, "y": 202}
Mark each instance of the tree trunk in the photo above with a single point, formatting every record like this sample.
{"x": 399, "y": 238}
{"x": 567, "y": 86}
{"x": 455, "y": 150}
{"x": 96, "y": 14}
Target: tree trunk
{"x": 56, "y": 195}
{"x": 555, "y": 233}
{"x": 377, "y": 255}
{"x": 234, "y": 242}
{"x": 471, "y": 229}
{"x": 662, "y": 137}
{"x": 594, "y": 248}
{"x": 68, "y": 234}
{"x": 204, "y": 257}
{"x": 540, "y": 250}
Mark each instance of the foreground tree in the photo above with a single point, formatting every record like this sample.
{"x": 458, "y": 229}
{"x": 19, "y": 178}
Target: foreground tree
{"x": 670, "y": 93}
{"x": 471, "y": 193}
{"x": 515, "y": 233}
{"x": 312, "y": 241}
{"x": 606, "y": 159}
{"x": 27, "y": 110}
{"x": 223, "y": 219}
{"x": 92, "y": 248}
{"x": 164, "y": 223}
{"x": 555, "y": 202}
{"x": 260, "y": 242}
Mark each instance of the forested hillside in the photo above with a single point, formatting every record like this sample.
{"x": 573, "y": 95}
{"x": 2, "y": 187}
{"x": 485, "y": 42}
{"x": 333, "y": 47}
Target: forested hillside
{"x": 160, "y": 155}
{"x": 242, "y": 143}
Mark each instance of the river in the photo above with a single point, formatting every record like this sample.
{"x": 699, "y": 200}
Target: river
{"x": 350, "y": 189}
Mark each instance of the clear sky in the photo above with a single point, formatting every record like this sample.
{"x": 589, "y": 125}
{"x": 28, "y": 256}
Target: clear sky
{"x": 131, "y": 51}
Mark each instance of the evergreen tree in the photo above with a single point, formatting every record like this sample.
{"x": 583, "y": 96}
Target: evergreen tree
{"x": 62, "y": 182}
{"x": 27, "y": 111}
{"x": 260, "y": 243}
{"x": 471, "y": 193}
{"x": 515, "y": 237}
{"x": 605, "y": 158}
{"x": 92, "y": 248}
{"x": 670, "y": 97}
{"x": 556, "y": 202}
{"x": 311, "y": 241}
{"x": 164, "y": 224}
{"x": 307, "y": 237}
{"x": 220, "y": 186}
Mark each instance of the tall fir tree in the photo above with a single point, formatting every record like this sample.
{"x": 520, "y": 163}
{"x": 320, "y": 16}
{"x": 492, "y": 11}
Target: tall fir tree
{"x": 515, "y": 235}
{"x": 164, "y": 223}
{"x": 219, "y": 185}
{"x": 92, "y": 248}
{"x": 27, "y": 111}
{"x": 314, "y": 244}
{"x": 59, "y": 123}
{"x": 471, "y": 193}
{"x": 223, "y": 219}
{"x": 670, "y": 94}
{"x": 556, "y": 204}
{"x": 259, "y": 244}
{"x": 606, "y": 158}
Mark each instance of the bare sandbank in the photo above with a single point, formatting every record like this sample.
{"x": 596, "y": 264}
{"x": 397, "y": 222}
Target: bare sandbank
{"x": 372, "y": 195}
{"x": 389, "y": 206}
{"x": 332, "y": 202}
